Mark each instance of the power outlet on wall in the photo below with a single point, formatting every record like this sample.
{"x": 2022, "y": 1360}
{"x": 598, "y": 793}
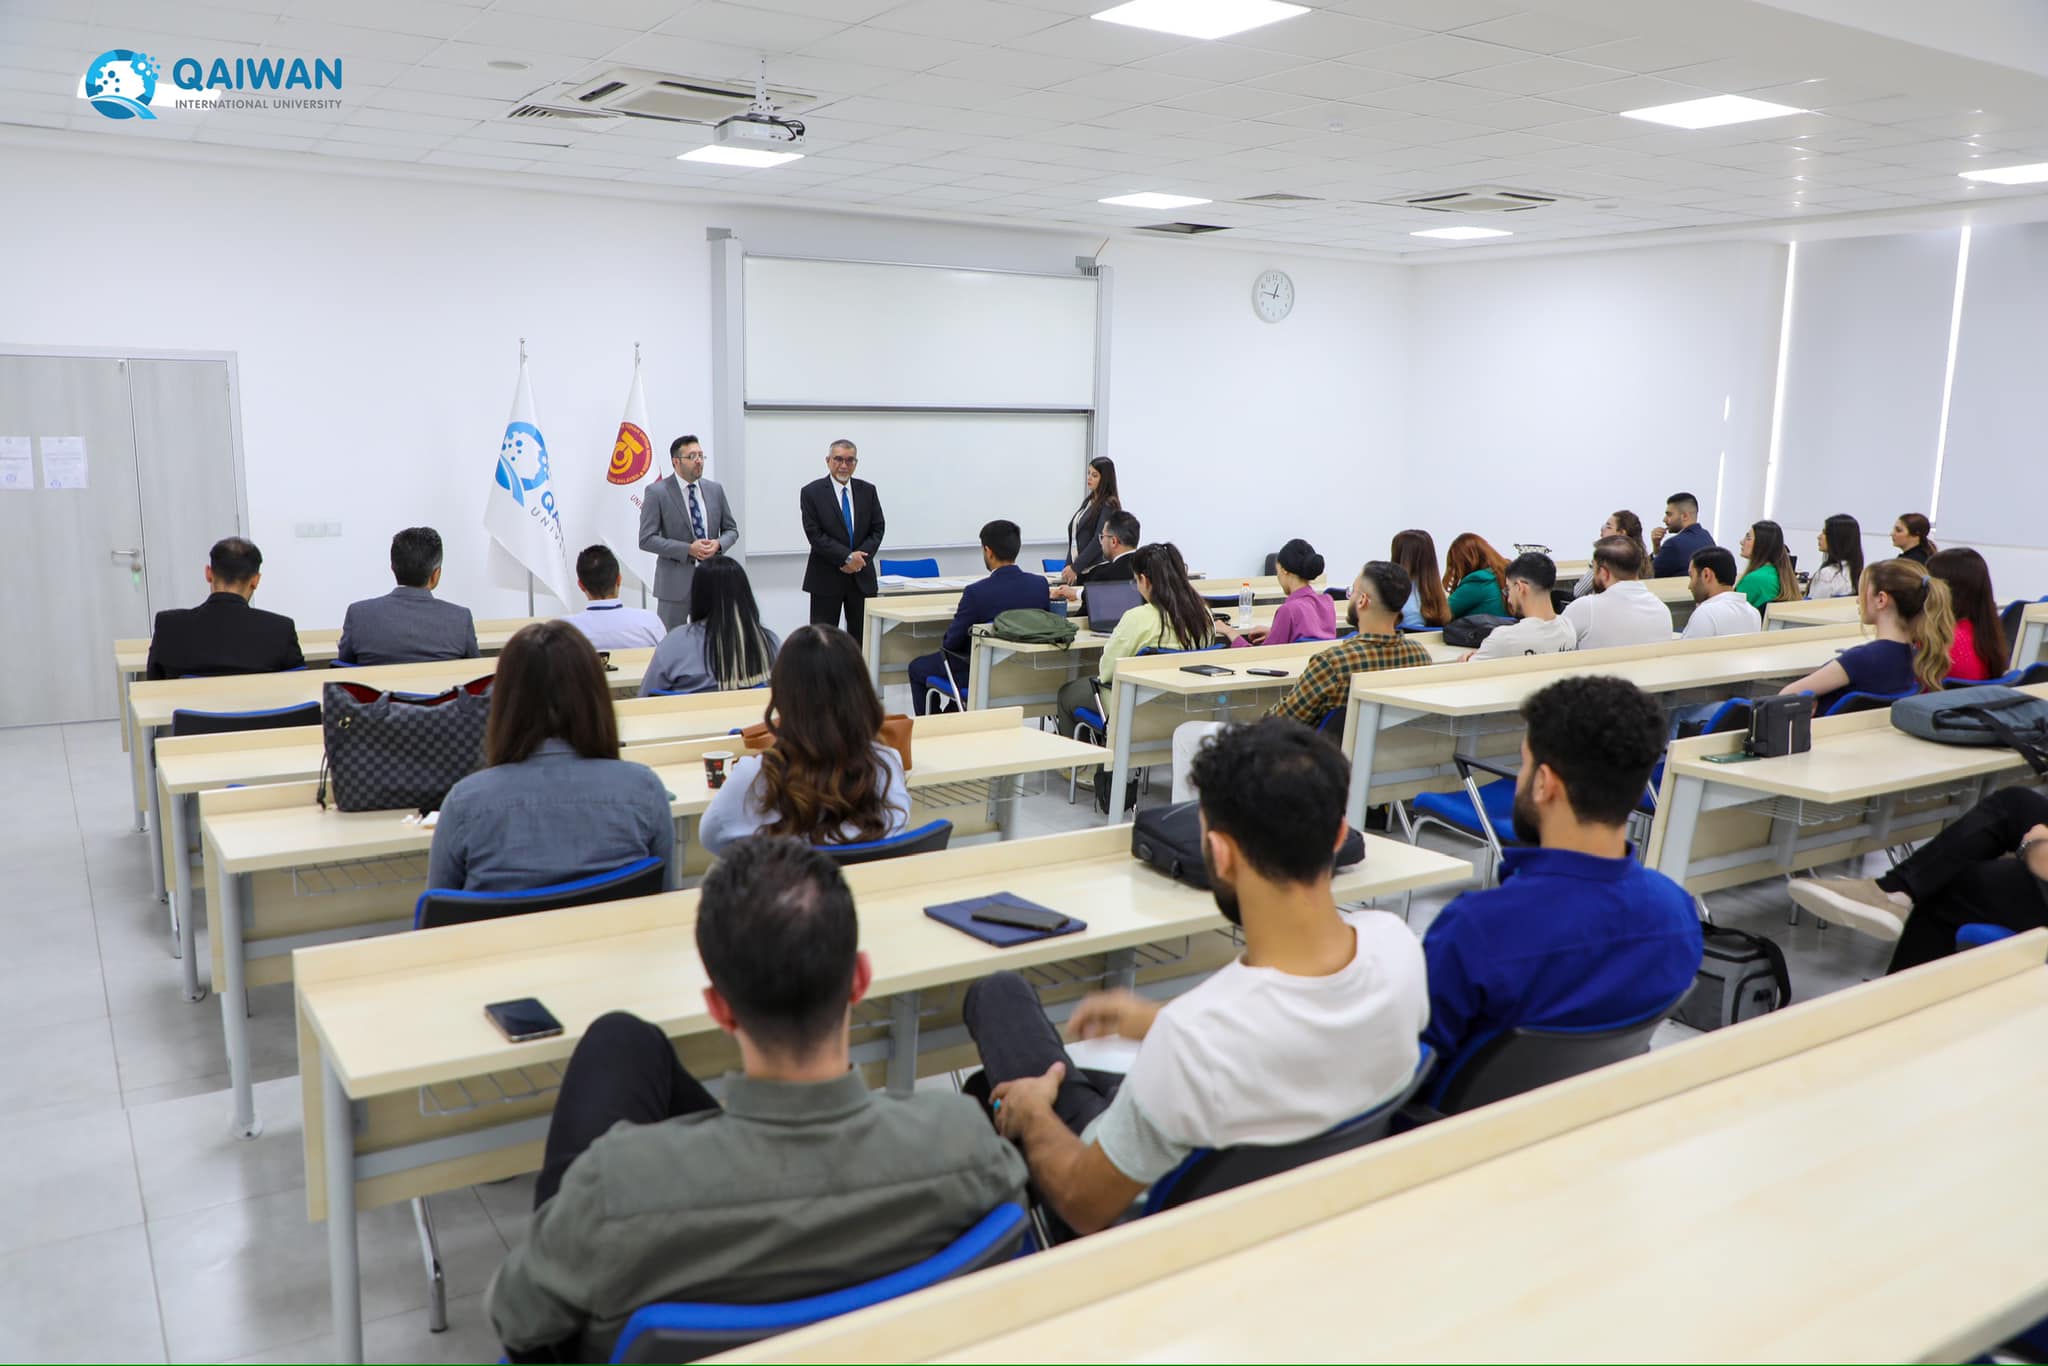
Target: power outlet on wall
{"x": 307, "y": 531}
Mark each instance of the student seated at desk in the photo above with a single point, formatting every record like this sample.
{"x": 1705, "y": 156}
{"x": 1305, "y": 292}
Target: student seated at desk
{"x": 1539, "y": 630}
{"x": 1427, "y": 607}
{"x": 1119, "y": 545}
{"x": 1989, "y": 868}
{"x": 554, "y": 801}
{"x": 1767, "y": 569}
{"x": 1306, "y": 614}
{"x": 1621, "y": 610}
{"x": 1172, "y": 616}
{"x": 1313, "y": 1025}
{"x": 828, "y": 778}
{"x": 804, "y": 1182}
{"x": 1979, "y": 651}
{"x": 1909, "y": 537}
{"x": 1718, "y": 610}
{"x": 224, "y": 634}
{"x": 1915, "y": 630}
{"x": 1474, "y": 572}
{"x": 609, "y": 623}
{"x": 1618, "y": 523}
{"x": 1841, "y": 563}
{"x": 1007, "y": 588}
{"x": 1325, "y": 685}
{"x": 1577, "y": 932}
{"x": 409, "y": 624}
{"x": 1678, "y": 538}
{"x": 723, "y": 645}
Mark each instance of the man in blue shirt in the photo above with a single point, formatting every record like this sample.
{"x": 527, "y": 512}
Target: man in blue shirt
{"x": 1006, "y": 588}
{"x": 1679, "y": 539}
{"x": 1578, "y": 933}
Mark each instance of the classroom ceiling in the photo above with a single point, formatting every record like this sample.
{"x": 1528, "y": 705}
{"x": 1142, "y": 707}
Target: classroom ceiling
{"x": 1030, "y": 111}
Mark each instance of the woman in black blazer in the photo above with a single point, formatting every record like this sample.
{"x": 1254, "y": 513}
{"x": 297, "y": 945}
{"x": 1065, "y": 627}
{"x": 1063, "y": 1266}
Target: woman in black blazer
{"x": 1084, "y": 528}
{"x": 1909, "y": 537}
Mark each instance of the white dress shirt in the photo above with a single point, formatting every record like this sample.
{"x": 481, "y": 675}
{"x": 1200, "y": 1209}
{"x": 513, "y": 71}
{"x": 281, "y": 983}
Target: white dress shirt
{"x": 1628, "y": 613}
{"x": 1727, "y": 613}
{"x": 611, "y": 625}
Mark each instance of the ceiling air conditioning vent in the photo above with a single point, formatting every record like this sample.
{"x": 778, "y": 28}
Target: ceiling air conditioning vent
{"x": 549, "y": 111}
{"x": 1184, "y": 229}
{"x": 676, "y": 99}
{"x": 1280, "y": 199}
{"x": 1477, "y": 199}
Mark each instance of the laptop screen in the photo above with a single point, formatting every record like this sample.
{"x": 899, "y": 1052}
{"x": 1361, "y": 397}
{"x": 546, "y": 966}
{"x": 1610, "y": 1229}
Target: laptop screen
{"x": 1107, "y": 603}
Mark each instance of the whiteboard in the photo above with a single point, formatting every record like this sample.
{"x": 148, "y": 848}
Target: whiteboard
{"x": 940, "y": 475}
{"x": 852, "y": 333}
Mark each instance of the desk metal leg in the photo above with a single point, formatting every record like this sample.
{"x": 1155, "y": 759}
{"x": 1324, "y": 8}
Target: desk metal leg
{"x": 181, "y": 899}
{"x": 981, "y": 662}
{"x": 901, "y": 1077}
{"x": 871, "y": 646}
{"x": 1682, "y": 819}
{"x": 1120, "y": 752}
{"x": 344, "y": 1273}
{"x": 1365, "y": 739}
{"x": 156, "y": 815}
{"x": 234, "y": 1003}
{"x": 128, "y": 732}
{"x": 1007, "y": 801}
{"x": 1121, "y": 969}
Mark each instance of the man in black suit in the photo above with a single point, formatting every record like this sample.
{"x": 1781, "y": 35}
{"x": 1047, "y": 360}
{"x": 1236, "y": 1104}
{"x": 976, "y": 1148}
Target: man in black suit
{"x": 843, "y": 522}
{"x": 1120, "y": 540}
{"x": 224, "y": 634}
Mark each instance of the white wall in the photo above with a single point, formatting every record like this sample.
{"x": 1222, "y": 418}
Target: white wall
{"x": 377, "y": 320}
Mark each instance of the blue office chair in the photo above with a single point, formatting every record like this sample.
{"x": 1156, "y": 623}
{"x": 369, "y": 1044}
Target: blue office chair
{"x": 688, "y": 1332}
{"x": 943, "y": 691}
{"x": 1483, "y": 813}
{"x": 1211, "y": 1171}
{"x": 1976, "y": 936}
{"x": 1053, "y": 566}
{"x": 439, "y": 906}
{"x": 187, "y": 722}
{"x": 927, "y": 568}
{"x": 665, "y": 692}
{"x": 1094, "y": 720}
{"x": 926, "y": 839}
{"x": 1850, "y": 702}
{"x": 1522, "y": 1059}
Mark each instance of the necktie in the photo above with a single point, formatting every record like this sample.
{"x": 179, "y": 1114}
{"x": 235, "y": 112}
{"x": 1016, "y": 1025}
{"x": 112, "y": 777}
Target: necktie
{"x": 846, "y": 510}
{"x": 696, "y": 514}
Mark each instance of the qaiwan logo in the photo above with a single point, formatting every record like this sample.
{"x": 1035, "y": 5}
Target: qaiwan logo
{"x": 121, "y": 84}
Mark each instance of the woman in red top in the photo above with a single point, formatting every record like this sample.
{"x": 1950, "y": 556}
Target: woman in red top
{"x": 1980, "y": 650}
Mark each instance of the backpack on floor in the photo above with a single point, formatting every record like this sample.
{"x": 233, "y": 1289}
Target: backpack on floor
{"x": 1741, "y": 976}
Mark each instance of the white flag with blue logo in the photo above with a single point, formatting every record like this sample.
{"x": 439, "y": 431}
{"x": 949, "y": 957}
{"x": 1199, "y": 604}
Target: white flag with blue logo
{"x": 524, "y": 513}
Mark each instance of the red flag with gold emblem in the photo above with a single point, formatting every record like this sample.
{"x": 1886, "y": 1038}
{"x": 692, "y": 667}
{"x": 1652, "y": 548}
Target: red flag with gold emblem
{"x": 628, "y": 478}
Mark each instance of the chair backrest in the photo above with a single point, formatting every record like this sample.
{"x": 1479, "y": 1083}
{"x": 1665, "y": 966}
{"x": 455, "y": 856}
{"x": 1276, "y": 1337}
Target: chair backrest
{"x": 1053, "y": 566}
{"x": 1977, "y": 934}
{"x": 1209, "y": 1171}
{"x": 1272, "y": 564}
{"x": 2012, "y": 617}
{"x": 926, "y": 839}
{"x": 687, "y": 1332}
{"x": 1865, "y": 701}
{"x": 440, "y": 906}
{"x": 185, "y": 722}
{"x": 911, "y": 569}
{"x": 1518, "y": 1060}
{"x": 1176, "y": 650}
{"x": 2032, "y": 674}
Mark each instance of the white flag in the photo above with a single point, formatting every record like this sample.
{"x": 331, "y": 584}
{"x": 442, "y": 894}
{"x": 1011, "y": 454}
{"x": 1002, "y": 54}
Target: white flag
{"x": 629, "y": 479}
{"x": 524, "y": 513}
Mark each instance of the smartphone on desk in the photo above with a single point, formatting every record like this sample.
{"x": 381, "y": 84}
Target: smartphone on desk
{"x": 1019, "y": 916}
{"x": 1268, "y": 673}
{"x": 523, "y": 1020}
{"x": 1205, "y": 670}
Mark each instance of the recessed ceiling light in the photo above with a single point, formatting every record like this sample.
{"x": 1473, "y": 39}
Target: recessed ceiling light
{"x": 1151, "y": 200}
{"x": 1201, "y": 18}
{"x": 2033, "y": 173}
{"x": 507, "y": 64}
{"x": 1715, "y": 111}
{"x": 1462, "y": 234}
{"x": 740, "y": 156}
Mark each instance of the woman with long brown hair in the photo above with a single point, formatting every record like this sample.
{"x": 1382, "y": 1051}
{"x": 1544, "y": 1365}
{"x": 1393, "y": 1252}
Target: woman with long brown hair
{"x": 827, "y": 778}
{"x": 1915, "y": 629}
{"x": 1619, "y": 523}
{"x": 1084, "y": 528}
{"x": 554, "y": 801}
{"x": 1475, "y": 573}
{"x": 1415, "y": 551}
{"x": 1980, "y": 650}
{"x": 1767, "y": 567}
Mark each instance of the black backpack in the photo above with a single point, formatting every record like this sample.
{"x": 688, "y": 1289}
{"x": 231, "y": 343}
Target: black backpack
{"x": 1169, "y": 838}
{"x": 1473, "y": 629}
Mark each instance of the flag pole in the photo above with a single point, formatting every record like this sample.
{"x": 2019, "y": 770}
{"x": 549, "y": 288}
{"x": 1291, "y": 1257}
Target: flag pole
{"x": 529, "y": 592}
{"x": 636, "y": 374}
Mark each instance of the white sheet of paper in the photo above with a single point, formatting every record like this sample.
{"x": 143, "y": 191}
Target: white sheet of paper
{"x": 64, "y": 462}
{"x": 17, "y": 467}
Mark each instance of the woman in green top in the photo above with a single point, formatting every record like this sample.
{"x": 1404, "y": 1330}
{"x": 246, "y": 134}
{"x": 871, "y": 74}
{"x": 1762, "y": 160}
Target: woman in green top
{"x": 1767, "y": 575}
{"x": 1474, "y": 572}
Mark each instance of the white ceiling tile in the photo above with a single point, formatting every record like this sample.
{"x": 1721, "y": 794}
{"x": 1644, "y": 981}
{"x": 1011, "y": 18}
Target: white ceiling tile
{"x": 1543, "y": 33}
{"x": 682, "y": 56}
{"x": 1221, "y": 62}
{"x": 183, "y": 20}
{"x": 880, "y": 47}
{"x": 821, "y": 76}
{"x": 639, "y": 15}
{"x": 385, "y": 137}
{"x": 1432, "y": 16}
{"x": 1128, "y": 85}
{"x": 1518, "y": 115}
{"x": 1431, "y": 97}
{"x": 1439, "y": 54}
{"x": 1044, "y": 104}
{"x": 439, "y": 125}
{"x": 541, "y": 68}
{"x": 1238, "y": 101}
{"x": 925, "y": 88}
{"x": 1632, "y": 92}
{"x": 475, "y": 162}
{"x": 1025, "y": 70}
{"x": 747, "y": 26}
{"x": 428, "y": 102}
{"x": 847, "y": 11}
{"x": 368, "y": 151}
{"x": 1095, "y": 41}
{"x": 433, "y": 18}
{"x": 1323, "y": 34}
{"x": 302, "y": 37}
{"x": 1331, "y": 81}
{"x": 1160, "y": 118}
{"x": 980, "y": 21}
{"x": 1645, "y": 55}
{"x": 1537, "y": 76}
{"x": 1895, "y": 109}
{"x": 528, "y": 33}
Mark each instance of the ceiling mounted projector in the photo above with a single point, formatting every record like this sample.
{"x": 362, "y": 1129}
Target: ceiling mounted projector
{"x": 761, "y": 132}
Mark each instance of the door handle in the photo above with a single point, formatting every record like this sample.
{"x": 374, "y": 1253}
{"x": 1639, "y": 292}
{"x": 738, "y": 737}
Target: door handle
{"x": 134, "y": 556}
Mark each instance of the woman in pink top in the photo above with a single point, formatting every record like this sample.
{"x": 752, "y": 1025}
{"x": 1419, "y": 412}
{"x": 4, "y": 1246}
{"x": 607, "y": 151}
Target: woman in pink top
{"x": 1980, "y": 650}
{"x": 1308, "y": 613}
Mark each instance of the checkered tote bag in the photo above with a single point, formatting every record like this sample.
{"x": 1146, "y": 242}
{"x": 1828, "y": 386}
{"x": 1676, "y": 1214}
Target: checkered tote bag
{"x": 387, "y": 751}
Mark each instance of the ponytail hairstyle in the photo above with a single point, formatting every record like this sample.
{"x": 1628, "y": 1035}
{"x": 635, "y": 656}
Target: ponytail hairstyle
{"x": 1767, "y": 547}
{"x": 1627, "y": 524}
{"x": 1299, "y": 558}
{"x": 1970, "y": 596}
{"x": 1186, "y": 615}
{"x": 1415, "y": 551}
{"x": 1917, "y": 526}
{"x": 1845, "y": 545}
{"x": 1922, "y": 602}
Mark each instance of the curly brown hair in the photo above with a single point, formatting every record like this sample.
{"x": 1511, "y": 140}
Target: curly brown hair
{"x": 820, "y": 778}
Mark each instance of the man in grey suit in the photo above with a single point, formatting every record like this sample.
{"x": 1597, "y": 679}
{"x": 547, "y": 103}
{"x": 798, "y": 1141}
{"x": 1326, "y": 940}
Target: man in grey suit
{"x": 408, "y": 624}
{"x": 684, "y": 520}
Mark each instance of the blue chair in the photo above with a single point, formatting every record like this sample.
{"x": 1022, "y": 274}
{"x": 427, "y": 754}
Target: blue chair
{"x": 942, "y": 691}
{"x": 1976, "y": 936}
{"x": 2031, "y": 675}
{"x": 665, "y": 692}
{"x": 1053, "y": 566}
{"x": 689, "y": 1331}
{"x": 439, "y": 906}
{"x": 911, "y": 569}
{"x": 1485, "y": 814}
{"x": 1850, "y": 702}
{"x": 185, "y": 722}
{"x": 1210, "y": 1171}
{"x": 926, "y": 839}
{"x": 1093, "y": 720}
{"x": 1522, "y": 1059}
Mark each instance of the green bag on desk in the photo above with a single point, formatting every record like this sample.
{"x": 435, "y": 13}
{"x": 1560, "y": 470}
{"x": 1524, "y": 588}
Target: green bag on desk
{"x": 1030, "y": 626}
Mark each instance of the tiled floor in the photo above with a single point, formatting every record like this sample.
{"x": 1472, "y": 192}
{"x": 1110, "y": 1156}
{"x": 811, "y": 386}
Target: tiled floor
{"x": 132, "y": 1227}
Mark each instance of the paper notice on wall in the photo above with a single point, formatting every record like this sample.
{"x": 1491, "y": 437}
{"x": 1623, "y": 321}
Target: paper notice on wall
{"x": 64, "y": 462}
{"x": 17, "y": 468}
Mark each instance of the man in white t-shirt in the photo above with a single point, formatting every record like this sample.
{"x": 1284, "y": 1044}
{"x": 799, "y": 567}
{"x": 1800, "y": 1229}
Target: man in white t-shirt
{"x": 610, "y": 624}
{"x": 1315, "y": 1023}
{"x": 1718, "y": 610}
{"x": 1620, "y": 610}
{"x": 1539, "y": 630}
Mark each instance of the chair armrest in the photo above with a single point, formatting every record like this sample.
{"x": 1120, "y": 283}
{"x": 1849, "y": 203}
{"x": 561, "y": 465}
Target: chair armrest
{"x": 1466, "y": 763}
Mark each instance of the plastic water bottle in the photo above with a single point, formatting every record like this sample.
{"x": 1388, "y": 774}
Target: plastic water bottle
{"x": 1245, "y": 597}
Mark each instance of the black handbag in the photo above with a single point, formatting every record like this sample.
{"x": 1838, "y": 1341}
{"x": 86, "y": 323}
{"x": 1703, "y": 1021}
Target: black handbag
{"x": 1169, "y": 838}
{"x": 1473, "y": 629}
{"x": 387, "y": 752}
{"x": 1780, "y": 725}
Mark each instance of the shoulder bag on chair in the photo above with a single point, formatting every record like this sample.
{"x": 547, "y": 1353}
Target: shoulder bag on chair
{"x": 1980, "y": 716}
{"x": 895, "y": 734}
{"x": 1473, "y": 628}
{"x": 388, "y": 752}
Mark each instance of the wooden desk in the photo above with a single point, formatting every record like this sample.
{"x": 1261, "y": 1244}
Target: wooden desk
{"x": 1437, "y": 714}
{"x": 1865, "y": 785}
{"x": 1782, "y": 616}
{"x": 281, "y": 873}
{"x": 1875, "y": 1175}
{"x": 1004, "y": 673}
{"x": 381, "y": 1019}
{"x": 1153, "y": 694}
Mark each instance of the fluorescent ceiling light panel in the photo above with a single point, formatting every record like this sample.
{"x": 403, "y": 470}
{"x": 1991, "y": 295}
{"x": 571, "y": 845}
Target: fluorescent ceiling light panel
{"x": 1715, "y": 111}
{"x": 740, "y": 156}
{"x": 1462, "y": 234}
{"x": 1201, "y": 18}
{"x": 1152, "y": 200}
{"x": 2032, "y": 174}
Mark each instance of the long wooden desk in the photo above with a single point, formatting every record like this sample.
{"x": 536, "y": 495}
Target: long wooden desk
{"x": 1868, "y": 1160}
{"x": 281, "y": 873}
{"x": 1402, "y": 726}
{"x": 1864, "y": 785}
{"x": 187, "y": 765}
{"x": 1007, "y": 673}
{"x": 1782, "y": 616}
{"x": 382, "y": 1019}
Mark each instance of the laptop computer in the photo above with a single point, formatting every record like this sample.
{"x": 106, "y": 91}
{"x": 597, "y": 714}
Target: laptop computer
{"x": 1107, "y": 603}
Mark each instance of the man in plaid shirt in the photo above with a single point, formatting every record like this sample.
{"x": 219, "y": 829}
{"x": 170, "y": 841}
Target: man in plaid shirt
{"x": 1377, "y": 596}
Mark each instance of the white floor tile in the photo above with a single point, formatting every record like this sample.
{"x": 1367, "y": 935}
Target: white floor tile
{"x": 57, "y": 1065}
{"x": 86, "y": 1299}
{"x": 188, "y": 1161}
{"x": 66, "y": 1177}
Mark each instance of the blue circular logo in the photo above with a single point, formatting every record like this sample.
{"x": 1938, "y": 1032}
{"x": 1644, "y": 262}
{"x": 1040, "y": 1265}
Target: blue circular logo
{"x": 121, "y": 84}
